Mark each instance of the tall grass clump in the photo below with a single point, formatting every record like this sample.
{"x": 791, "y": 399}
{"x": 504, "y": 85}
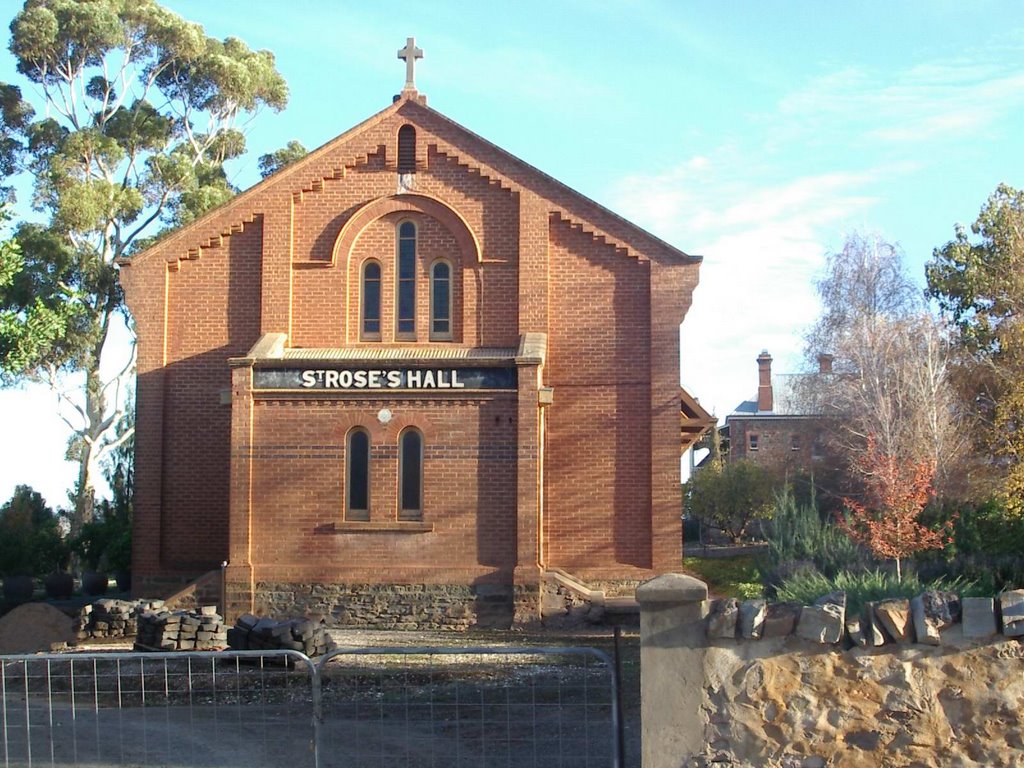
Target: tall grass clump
{"x": 867, "y": 586}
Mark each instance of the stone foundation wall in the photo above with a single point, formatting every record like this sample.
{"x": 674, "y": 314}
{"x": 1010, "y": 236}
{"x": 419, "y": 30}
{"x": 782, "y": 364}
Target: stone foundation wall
{"x": 390, "y": 606}
{"x": 181, "y": 593}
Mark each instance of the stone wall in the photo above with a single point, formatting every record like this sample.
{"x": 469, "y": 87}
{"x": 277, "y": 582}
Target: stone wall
{"x": 390, "y": 606}
{"x": 794, "y": 702}
{"x": 788, "y": 702}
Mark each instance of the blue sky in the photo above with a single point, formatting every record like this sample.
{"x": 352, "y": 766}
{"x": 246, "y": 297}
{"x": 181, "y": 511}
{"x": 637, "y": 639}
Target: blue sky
{"x": 756, "y": 134}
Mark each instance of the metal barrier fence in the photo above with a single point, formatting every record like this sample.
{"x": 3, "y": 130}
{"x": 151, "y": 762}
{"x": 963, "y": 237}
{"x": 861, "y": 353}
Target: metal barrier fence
{"x": 187, "y": 709}
{"x": 357, "y": 708}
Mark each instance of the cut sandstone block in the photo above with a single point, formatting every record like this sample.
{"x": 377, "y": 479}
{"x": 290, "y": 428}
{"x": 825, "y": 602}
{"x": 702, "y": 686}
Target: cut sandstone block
{"x": 1011, "y": 605}
{"x": 874, "y": 635}
{"x": 979, "y": 617}
{"x": 822, "y": 623}
{"x": 780, "y": 619}
{"x": 752, "y": 613}
{"x": 927, "y": 632}
{"x": 723, "y": 618}
{"x": 895, "y": 617}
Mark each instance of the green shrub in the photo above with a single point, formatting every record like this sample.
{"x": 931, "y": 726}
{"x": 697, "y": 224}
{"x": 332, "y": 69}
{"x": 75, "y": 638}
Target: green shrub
{"x": 987, "y": 547}
{"x": 737, "y": 577}
{"x": 991, "y": 573}
{"x": 30, "y": 539}
{"x": 729, "y": 495}
{"x": 105, "y": 544}
{"x": 865, "y": 586}
{"x": 987, "y": 528}
{"x": 797, "y": 533}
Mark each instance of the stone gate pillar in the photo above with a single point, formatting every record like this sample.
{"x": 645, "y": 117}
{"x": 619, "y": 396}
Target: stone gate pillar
{"x": 672, "y": 649}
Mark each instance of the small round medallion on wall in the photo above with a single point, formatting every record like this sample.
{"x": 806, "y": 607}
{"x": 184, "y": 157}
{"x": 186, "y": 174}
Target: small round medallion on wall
{"x": 383, "y": 415}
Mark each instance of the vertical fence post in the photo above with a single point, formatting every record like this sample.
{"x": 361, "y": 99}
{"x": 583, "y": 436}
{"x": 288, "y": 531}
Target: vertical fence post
{"x": 316, "y": 691}
{"x": 672, "y": 649}
{"x": 224, "y": 590}
{"x": 619, "y": 724}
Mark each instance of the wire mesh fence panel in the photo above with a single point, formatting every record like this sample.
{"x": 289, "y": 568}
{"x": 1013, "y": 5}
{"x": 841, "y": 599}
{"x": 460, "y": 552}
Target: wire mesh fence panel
{"x": 479, "y": 707}
{"x": 189, "y": 709}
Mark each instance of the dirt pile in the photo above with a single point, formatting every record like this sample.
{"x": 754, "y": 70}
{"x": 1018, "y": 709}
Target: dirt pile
{"x": 35, "y": 627}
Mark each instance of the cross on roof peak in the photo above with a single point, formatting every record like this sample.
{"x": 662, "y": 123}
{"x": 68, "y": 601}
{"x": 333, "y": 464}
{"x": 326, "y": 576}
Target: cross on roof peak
{"x": 409, "y": 54}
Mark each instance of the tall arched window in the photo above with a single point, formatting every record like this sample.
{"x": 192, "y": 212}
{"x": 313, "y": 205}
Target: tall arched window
{"x": 370, "y": 329}
{"x": 410, "y": 475}
{"x": 441, "y": 300}
{"x": 357, "y": 475}
{"x": 407, "y": 149}
{"x": 406, "y": 316}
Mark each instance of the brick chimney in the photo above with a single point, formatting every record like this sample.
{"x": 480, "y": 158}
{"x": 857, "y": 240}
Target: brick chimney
{"x": 764, "y": 381}
{"x": 824, "y": 363}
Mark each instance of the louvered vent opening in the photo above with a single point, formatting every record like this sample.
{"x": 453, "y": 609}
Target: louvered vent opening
{"x": 407, "y": 149}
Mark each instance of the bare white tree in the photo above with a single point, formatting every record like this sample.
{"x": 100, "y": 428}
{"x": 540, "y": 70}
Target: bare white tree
{"x": 892, "y": 372}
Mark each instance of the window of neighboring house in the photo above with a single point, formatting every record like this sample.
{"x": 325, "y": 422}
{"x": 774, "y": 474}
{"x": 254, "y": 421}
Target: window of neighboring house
{"x": 357, "y": 475}
{"x": 407, "y": 149}
{"x": 370, "y": 330}
{"x": 753, "y": 441}
{"x": 794, "y": 442}
{"x": 406, "y": 287}
{"x": 441, "y": 300}
{"x": 818, "y": 448}
{"x": 410, "y": 475}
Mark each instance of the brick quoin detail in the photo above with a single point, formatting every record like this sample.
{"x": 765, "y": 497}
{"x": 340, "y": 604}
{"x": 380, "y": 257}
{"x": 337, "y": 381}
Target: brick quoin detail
{"x": 572, "y": 462}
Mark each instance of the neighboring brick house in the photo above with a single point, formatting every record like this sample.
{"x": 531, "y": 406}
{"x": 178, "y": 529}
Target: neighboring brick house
{"x": 406, "y": 376}
{"x": 776, "y": 428}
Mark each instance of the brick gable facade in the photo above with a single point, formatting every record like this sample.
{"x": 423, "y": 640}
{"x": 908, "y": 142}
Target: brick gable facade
{"x": 561, "y": 452}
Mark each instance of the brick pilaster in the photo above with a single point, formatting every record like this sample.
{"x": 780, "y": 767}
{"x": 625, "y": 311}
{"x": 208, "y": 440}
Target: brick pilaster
{"x": 150, "y": 313}
{"x": 668, "y": 290}
{"x": 528, "y": 511}
{"x": 533, "y": 263}
{"x": 239, "y": 579}
{"x": 276, "y": 267}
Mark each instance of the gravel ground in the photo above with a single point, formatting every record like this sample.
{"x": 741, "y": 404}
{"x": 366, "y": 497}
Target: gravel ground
{"x": 475, "y": 730}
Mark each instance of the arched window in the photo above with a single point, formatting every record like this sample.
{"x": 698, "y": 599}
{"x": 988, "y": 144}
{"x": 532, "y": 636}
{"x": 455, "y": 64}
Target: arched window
{"x": 406, "y": 316}
{"x": 407, "y": 149}
{"x": 441, "y": 300}
{"x": 410, "y": 475}
{"x": 357, "y": 475}
{"x": 371, "y": 301}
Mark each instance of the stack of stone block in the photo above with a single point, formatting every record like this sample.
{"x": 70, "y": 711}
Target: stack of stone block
{"x": 896, "y": 620}
{"x": 199, "y": 630}
{"x": 252, "y": 633}
{"x": 109, "y": 619}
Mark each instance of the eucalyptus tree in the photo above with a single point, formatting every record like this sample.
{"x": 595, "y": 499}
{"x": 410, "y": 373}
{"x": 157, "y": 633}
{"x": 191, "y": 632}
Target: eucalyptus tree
{"x": 273, "y": 162}
{"x": 978, "y": 281}
{"x": 129, "y": 115}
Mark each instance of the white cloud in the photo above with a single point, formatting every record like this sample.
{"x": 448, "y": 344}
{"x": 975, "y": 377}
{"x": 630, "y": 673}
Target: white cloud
{"x": 763, "y": 244}
{"x": 764, "y": 212}
{"x": 929, "y": 102}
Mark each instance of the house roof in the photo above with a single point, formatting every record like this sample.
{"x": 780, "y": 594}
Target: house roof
{"x": 787, "y": 397}
{"x": 499, "y": 163}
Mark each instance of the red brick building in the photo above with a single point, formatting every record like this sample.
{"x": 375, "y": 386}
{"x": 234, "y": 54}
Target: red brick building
{"x": 779, "y": 428}
{"x": 401, "y": 379}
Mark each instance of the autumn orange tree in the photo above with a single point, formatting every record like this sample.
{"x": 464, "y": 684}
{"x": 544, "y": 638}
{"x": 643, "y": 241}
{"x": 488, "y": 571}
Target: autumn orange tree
{"x": 887, "y": 520}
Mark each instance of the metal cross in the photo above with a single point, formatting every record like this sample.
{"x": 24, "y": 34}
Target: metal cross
{"x": 410, "y": 53}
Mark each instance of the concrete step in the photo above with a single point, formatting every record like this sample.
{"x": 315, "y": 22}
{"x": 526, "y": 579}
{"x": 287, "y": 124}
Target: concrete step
{"x": 621, "y": 605}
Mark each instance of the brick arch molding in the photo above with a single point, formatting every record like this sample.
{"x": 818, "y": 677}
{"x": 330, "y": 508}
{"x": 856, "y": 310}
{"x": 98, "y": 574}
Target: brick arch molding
{"x": 429, "y": 206}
